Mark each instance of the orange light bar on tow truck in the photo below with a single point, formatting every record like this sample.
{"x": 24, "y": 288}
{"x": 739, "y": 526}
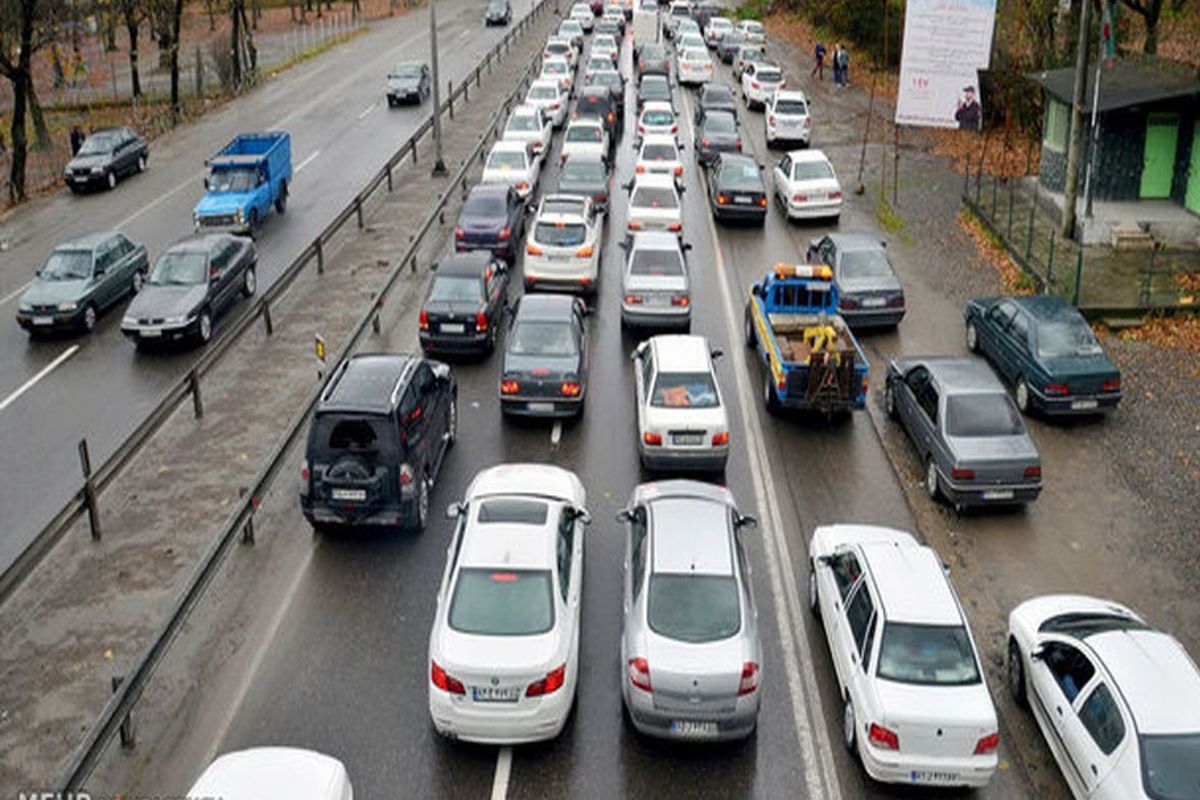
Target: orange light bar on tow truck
{"x": 820, "y": 272}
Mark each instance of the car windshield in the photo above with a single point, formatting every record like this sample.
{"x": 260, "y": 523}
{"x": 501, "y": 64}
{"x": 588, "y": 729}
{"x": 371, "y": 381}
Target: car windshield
{"x": 523, "y": 122}
{"x": 979, "y": 415}
{"x": 506, "y": 160}
{"x": 1171, "y": 765}
{"x": 575, "y": 170}
{"x": 543, "y": 93}
{"x": 1066, "y": 338}
{"x": 502, "y": 602}
{"x": 487, "y": 205}
{"x": 860, "y": 264}
{"x": 751, "y": 54}
{"x": 598, "y": 63}
{"x": 100, "y": 143}
{"x": 719, "y": 123}
{"x": 753, "y": 27}
{"x": 740, "y": 175}
{"x": 811, "y": 171}
{"x": 456, "y": 289}
{"x": 684, "y": 390}
{"x": 797, "y": 107}
{"x": 559, "y": 234}
{"x": 657, "y": 117}
{"x": 231, "y": 180}
{"x": 653, "y": 197}
{"x": 66, "y": 265}
{"x": 542, "y": 338}
{"x": 178, "y": 269}
{"x": 927, "y": 655}
{"x": 658, "y": 152}
{"x": 693, "y": 608}
{"x": 406, "y": 72}
{"x": 656, "y": 262}
{"x": 585, "y": 133}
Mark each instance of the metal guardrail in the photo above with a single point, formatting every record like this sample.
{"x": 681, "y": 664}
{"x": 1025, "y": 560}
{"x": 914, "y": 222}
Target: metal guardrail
{"x": 115, "y": 718}
{"x": 83, "y": 501}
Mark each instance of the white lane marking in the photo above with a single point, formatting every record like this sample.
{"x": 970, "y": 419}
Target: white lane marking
{"x": 821, "y": 777}
{"x": 363, "y": 114}
{"x": 160, "y": 199}
{"x": 307, "y": 161}
{"x": 503, "y": 770}
{"x": 15, "y": 293}
{"x": 556, "y": 433}
{"x": 464, "y": 34}
{"x": 46, "y": 370}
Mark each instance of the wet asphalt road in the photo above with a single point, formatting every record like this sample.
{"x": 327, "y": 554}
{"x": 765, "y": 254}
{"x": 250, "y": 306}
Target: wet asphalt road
{"x": 342, "y": 131}
{"x": 346, "y": 669}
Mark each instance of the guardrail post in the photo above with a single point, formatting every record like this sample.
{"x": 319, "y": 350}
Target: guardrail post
{"x": 194, "y": 388}
{"x": 126, "y": 731}
{"x": 413, "y": 265}
{"x": 375, "y": 323}
{"x": 389, "y": 177}
{"x": 1029, "y": 240}
{"x": 248, "y": 529}
{"x": 450, "y": 97}
{"x": 1050, "y": 259}
{"x": 1010, "y": 210}
{"x": 358, "y": 211}
{"x": 270, "y": 323}
{"x": 995, "y": 186}
{"x": 414, "y": 150}
{"x": 978, "y": 183}
{"x": 320, "y": 248}
{"x": 89, "y": 490}
{"x": 466, "y": 87}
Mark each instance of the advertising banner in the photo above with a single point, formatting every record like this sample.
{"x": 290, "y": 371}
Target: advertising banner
{"x": 946, "y": 43}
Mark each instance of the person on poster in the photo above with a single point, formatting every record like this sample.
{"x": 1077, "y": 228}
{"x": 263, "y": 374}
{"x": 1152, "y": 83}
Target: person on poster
{"x": 819, "y": 61}
{"x": 969, "y": 114}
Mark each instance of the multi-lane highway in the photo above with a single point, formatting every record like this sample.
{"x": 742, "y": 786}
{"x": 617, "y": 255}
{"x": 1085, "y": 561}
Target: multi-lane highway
{"x": 55, "y": 391}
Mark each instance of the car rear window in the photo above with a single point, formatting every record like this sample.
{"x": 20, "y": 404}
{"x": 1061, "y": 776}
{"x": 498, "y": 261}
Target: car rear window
{"x": 1067, "y": 338}
{"x": 927, "y": 655}
{"x": 979, "y": 415}
{"x": 740, "y": 175}
{"x": 811, "y": 171}
{"x": 653, "y": 197}
{"x": 768, "y": 76}
{"x": 502, "y": 602}
{"x": 1171, "y": 766}
{"x": 862, "y": 264}
{"x": 656, "y": 262}
{"x": 557, "y": 47}
{"x": 658, "y": 152}
{"x": 719, "y": 123}
{"x": 360, "y": 434}
{"x": 596, "y": 63}
{"x": 555, "y": 68}
{"x": 543, "y": 93}
{"x": 684, "y": 390}
{"x": 506, "y": 160}
{"x": 693, "y": 608}
{"x": 542, "y": 338}
{"x": 592, "y": 105}
{"x": 560, "y": 234}
{"x": 513, "y": 510}
{"x": 480, "y": 204}
{"x": 585, "y": 133}
{"x": 798, "y": 107}
{"x": 581, "y": 170}
{"x": 456, "y": 289}
{"x": 524, "y": 122}
{"x": 656, "y": 117}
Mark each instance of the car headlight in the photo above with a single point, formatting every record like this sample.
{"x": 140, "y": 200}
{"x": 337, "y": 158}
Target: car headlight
{"x": 25, "y": 308}
{"x": 238, "y": 216}
{"x": 70, "y": 305}
{"x": 177, "y": 320}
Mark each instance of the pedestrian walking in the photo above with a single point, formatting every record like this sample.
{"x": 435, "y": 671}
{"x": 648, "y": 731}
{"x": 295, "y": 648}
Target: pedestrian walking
{"x": 844, "y": 66}
{"x": 837, "y": 64}
{"x": 76, "y": 140}
{"x": 819, "y": 61}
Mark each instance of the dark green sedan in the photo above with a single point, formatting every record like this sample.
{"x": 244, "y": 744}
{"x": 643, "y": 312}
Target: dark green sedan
{"x": 1045, "y": 349}
{"x": 81, "y": 278}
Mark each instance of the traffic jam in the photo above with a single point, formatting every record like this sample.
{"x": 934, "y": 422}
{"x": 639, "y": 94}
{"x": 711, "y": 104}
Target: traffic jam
{"x": 655, "y": 160}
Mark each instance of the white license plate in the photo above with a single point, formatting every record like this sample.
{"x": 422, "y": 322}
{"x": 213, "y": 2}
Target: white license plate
{"x": 43, "y": 320}
{"x": 743, "y": 198}
{"x": 933, "y": 776}
{"x": 998, "y": 494}
{"x": 452, "y": 327}
{"x": 495, "y": 694}
{"x": 687, "y": 438}
{"x": 541, "y": 408}
{"x": 692, "y": 728}
{"x": 873, "y": 302}
{"x": 1083, "y": 405}
{"x": 150, "y": 333}
{"x": 350, "y": 494}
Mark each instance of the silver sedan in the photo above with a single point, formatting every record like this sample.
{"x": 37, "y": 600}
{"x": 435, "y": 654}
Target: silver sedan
{"x": 689, "y": 640}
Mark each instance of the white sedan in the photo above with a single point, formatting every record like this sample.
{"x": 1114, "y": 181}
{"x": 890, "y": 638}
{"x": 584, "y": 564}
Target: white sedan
{"x": 753, "y": 31}
{"x": 549, "y": 95}
{"x": 586, "y": 135}
{"x": 716, "y": 28}
{"x": 689, "y": 39}
{"x": 787, "y": 117}
{"x": 759, "y": 82}
{"x": 559, "y": 69}
{"x": 654, "y": 204}
{"x": 513, "y": 164}
{"x": 807, "y": 186}
{"x": 916, "y": 707}
{"x": 1117, "y": 701}
{"x": 504, "y": 648}
{"x": 694, "y": 66}
{"x": 681, "y": 418}
{"x": 274, "y": 772}
{"x": 660, "y": 154}
{"x": 582, "y": 13}
{"x": 531, "y": 125}
{"x": 606, "y": 45}
{"x": 560, "y": 47}
{"x": 562, "y": 248}
{"x": 657, "y": 117}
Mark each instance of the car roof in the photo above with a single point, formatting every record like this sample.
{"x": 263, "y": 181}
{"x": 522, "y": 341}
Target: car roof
{"x": 511, "y": 544}
{"x": 737, "y": 158}
{"x": 556, "y": 307}
{"x": 963, "y": 375}
{"x": 273, "y": 771}
{"x": 367, "y": 383}
{"x": 488, "y": 189}
{"x": 659, "y": 138}
{"x": 509, "y": 146}
{"x": 196, "y": 243}
{"x": 598, "y": 89}
{"x": 1158, "y": 679}
{"x": 681, "y": 353}
{"x": 691, "y": 531}
{"x": 653, "y": 78}
{"x": 518, "y": 478}
{"x": 807, "y": 155}
{"x": 766, "y": 65}
{"x": 712, "y": 89}
{"x": 85, "y": 241}
{"x": 912, "y": 586}
{"x": 544, "y": 82}
{"x": 654, "y": 240}
{"x": 1045, "y": 307}
{"x": 473, "y": 263}
{"x": 526, "y": 109}
{"x": 586, "y": 157}
{"x": 399, "y": 65}
{"x": 588, "y": 121}
{"x": 856, "y": 241}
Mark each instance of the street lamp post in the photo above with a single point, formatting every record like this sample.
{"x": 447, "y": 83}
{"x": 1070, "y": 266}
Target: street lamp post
{"x": 439, "y": 165}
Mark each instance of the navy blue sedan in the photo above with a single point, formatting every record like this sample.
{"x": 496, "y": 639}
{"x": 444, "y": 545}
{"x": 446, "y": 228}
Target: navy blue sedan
{"x": 1045, "y": 349}
{"x": 492, "y": 219}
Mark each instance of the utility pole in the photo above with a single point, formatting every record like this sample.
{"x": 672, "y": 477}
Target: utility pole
{"x": 439, "y": 164}
{"x": 1075, "y": 137}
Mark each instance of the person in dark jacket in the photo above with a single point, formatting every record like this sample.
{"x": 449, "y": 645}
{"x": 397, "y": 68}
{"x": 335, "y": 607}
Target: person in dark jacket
{"x": 76, "y": 140}
{"x": 819, "y": 61}
{"x": 969, "y": 114}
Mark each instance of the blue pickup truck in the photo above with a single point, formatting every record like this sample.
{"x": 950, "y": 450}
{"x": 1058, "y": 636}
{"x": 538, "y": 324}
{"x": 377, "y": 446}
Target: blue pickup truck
{"x": 246, "y": 178}
{"x": 810, "y": 358}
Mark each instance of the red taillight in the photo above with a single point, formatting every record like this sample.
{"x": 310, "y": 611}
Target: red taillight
{"x": 988, "y": 744}
{"x": 1033, "y": 472}
{"x": 585, "y": 252}
{"x": 675, "y": 227}
{"x": 737, "y": 144}
{"x": 800, "y": 198}
{"x": 749, "y": 681}
{"x": 634, "y": 225}
{"x": 771, "y": 119}
{"x": 674, "y": 129}
{"x": 681, "y": 300}
{"x": 640, "y": 169}
{"x": 848, "y": 302}
{"x": 652, "y": 438}
{"x": 423, "y": 320}
{"x": 641, "y": 128}
{"x": 679, "y": 170}
{"x": 882, "y": 737}
{"x": 304, "y": 473}
{"x": 444, "y": 681}
{"x": 755, "y": 85}
{"x": 549, "y": 684}
{"x": 762, "y": 202}
{"x": 897, "y": 301}
{"x": 720, "y": 438}
{"x": 459, "y": 233}
{"x": 600, "y": 198}
{"x": 533, "y": 250}
{"x": 633, "y": 299}
{"x": 1111, "y": 386}
{"x": 505, "y": 232}
{"x": 962, "y": 474}
{"x": 481, "y": 322}
{"x": 612, "y": 117}
{"x": 835, "y": 195}
{"x": 570, "y": 389}
{"x": 509, "y": 387}
{"x": 704, "y": 142}
{"x": 1058, "y": 389}
{"x": 406, "y": 475}
{"x": 639, "y": 673}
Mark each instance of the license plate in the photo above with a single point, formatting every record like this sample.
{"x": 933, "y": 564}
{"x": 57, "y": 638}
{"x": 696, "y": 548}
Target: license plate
{"x": 350, "y": 494}
{"x": 873, "y": 302}
{"x": 150, "y": 333}
{"x": 743, "y": 198}
{"x": 541, "y": 408}
{"x": 455, "y": 327}
{"x": 691, "y": 728}
{"x": 1083, "y": 405}
{"x": 998, "y": 494}
{"x": 933, "y": 776}
{"x": 687, "y": 438}
{"x": 495, "y": 694}
{"x": 43, "y": 320}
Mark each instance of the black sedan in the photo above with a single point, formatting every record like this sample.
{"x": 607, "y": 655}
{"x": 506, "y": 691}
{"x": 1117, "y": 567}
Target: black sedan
{"x": 492, "y": 219}
{"x": 653, "y": 89}
{"x": 716, "y": 133}
{"x": 465, "y": 304}
{"x": 499, "y": 12}
{"x": 408, "y": 82}
{"x": 869, "y": 291}
{"x": 1047, "y": 351}
{"x": 615, "y": 82}
{"x": 189, "y": 286}
{"x": 106, "y": 156}
{"x": 587, "y": 175}
{"x": 736, "y": 190}
{"x": 545, "y": 359}
{"x": 716, "y": 97}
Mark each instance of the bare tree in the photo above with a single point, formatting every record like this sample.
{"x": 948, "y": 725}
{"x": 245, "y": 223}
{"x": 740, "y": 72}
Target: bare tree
{"x": 1151, "y": 13}
{"x": 133, "y": 12}
{"x": 26, "y": 26}
{"x": 176, "y": 23}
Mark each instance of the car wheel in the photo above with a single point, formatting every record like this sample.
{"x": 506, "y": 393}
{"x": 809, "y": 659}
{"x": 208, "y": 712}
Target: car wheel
{"x": 972, "y": 337}
{"x": 249, "y": 282}
{"x": 849, "y": 726}
{"x": 421, "y": 512}
{"x": 111, "y": 179}
{"x": 253, "y": 220}
{"x": 1022, "y": 393}
{"x": 889, "y": 400}
{"x": 814, "y": 602}
{"x": 770, "y": 399}
{"x": 281, "y": 200}
{"x": 89, "y": 318}
{"x": 204, "y": 328}
{"x": 751, "y": 337}
{"x": 141, "y": 164}
{"x": 138, "y": 278}
{"x": 1016, "y": 675}
{"x": 452, "y": 421}
{"x": 931, "y": 479}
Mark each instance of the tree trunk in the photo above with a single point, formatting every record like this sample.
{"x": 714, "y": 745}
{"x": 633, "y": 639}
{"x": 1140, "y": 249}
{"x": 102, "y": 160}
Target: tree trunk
{"x": 1151, "y": 43}
{"x": 235, "y": 42}
{"x": 212, "y": 19}
{"x": 176, "y": 23}
{"x": 131, "y": 26}
{"x": 21, "y": 85}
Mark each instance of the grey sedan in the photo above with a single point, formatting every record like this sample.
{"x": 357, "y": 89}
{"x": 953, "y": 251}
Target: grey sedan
{"x": 966, "y": 429}
{"x": 870, "y": 293}
{"x": 690, "y": 652}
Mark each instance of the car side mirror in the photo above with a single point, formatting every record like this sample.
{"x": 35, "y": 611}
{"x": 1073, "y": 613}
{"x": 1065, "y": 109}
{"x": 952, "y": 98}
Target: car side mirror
{"x": 214, "y": 273}
{"x": 826, "y": 560}
{"x": 625, "y": 516}
{"x": 716, "y": 353}
{"x": 627, "y": 186}
{"x": 746, "y": 521}
{"x": 1038, "y": 653}
{"x": 686, "y": 247}
{"x": 761, "y": 167}
{"x": 582, "y": 515}
{"x": 454, "y": 510}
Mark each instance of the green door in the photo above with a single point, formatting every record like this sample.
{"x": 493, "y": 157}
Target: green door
{"x": 1158, "y": 165}
{"x": 1192, "y": 199}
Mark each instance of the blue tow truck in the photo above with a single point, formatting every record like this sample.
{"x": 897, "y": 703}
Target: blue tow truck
{"x": 246, "y": 178}
{"x": 811, "y": 360}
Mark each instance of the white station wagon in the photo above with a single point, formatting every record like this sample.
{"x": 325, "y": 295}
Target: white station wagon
{"x": 916, "y": 706}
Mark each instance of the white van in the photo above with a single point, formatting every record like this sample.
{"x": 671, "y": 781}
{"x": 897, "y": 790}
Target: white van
{"x": 647, "y": 28}
{"x": 264, "y": 773}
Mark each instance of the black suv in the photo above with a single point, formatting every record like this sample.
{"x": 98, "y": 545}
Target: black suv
{"x": 377, "y": 440}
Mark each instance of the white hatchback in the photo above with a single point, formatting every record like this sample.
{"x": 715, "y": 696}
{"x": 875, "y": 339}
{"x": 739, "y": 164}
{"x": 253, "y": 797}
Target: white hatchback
{"x": 916, "y": 707}
{"x": 787, "y": 118}
{"x": 654, "y": 204}
{"x": 586, "y": 135}
{"x": 807, "y": 186}
{"x": 504, "y": 648}
{"x": 657, "y": 117}
{"x": 549, "y": 95}
{"x": 531, "y": 125}
{"x": 694, "y": 66}
{"x": 660, "y": 154}
{"x": 513, "y": 164}
{"x": 681, "y": 418}
{"x": 562, "y": 248}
